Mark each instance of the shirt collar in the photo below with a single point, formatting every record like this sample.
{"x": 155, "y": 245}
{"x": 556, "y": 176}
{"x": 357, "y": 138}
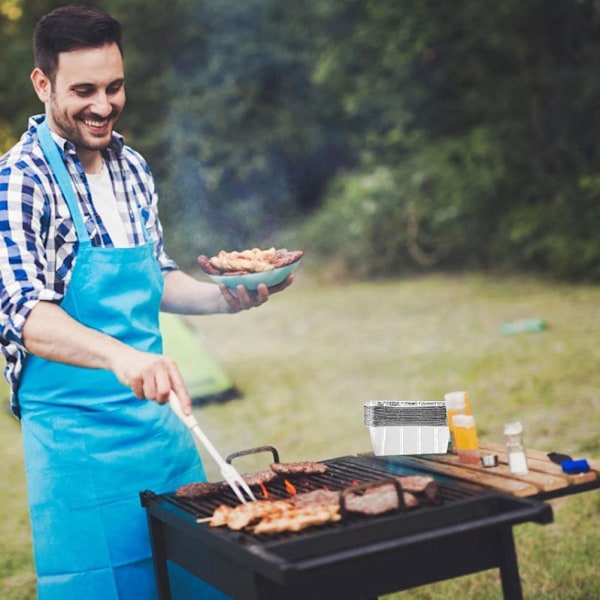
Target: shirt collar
{"x": 117, "y": 143}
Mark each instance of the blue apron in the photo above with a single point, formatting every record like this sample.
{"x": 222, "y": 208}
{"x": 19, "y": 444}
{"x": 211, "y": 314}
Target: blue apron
{"x": 90, "y": 445}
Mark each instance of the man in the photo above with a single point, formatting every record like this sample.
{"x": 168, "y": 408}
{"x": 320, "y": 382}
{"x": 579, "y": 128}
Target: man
{"x": 84, "y": 274}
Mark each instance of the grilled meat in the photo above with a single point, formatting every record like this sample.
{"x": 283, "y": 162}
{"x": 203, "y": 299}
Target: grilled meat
{"x": 242, "y": 515}
{"x": 322, "y": 506}
{"x": 424, "y": 486}
{"x": 206, "y": 265}
{"x": 271, "y": 516}
{"x": 198, "y": 490}
{"x": 243, "y": 262}
{"x": 378, "y": 499}
{"x": 317, "y": 498}
{"x": 286, "y": 257}
{"x": 304, "y": 467}
{"x": 259, "y": 477}
{"x": 296, "y": 519}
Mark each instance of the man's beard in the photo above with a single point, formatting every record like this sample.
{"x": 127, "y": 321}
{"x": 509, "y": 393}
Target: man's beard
{"x": 68, "y": 127}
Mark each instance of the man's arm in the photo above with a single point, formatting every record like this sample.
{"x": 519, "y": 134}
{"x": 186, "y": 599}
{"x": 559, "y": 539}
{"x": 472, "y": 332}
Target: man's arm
{"x": 49, "y": 332}
{"x": 183, "y": 294}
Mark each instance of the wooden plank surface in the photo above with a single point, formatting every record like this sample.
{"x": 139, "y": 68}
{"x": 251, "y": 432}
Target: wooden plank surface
{"x": 448, "y": 465}
{"x": 538, "y": 461}
{"x": 542, "y": 455}
{"x": 544, "y": 475}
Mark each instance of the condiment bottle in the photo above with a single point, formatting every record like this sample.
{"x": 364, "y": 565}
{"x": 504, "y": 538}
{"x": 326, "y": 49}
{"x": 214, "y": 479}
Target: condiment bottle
{"x": 465, "y": 438}
{"x": 513, "y": 435}
{"x": 457, "y": 403}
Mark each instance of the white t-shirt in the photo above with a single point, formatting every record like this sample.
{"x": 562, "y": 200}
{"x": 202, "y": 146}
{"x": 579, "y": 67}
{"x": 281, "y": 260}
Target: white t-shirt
{"x": 105, "y": 203}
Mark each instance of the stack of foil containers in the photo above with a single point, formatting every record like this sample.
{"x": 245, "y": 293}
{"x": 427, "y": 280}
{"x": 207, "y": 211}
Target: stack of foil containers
{"x": 407, "y": 426}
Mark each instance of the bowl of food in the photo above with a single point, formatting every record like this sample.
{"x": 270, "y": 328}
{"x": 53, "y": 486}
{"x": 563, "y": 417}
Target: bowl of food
{"x": 251, "y": 267}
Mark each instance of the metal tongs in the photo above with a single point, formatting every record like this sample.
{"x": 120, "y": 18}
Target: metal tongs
{"x": 229, "y": 472}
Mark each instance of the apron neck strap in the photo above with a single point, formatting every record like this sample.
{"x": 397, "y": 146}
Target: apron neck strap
{"x": 54, "y": 158}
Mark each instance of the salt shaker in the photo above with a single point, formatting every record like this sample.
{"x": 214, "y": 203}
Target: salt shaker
{"x": 513, "y": 435}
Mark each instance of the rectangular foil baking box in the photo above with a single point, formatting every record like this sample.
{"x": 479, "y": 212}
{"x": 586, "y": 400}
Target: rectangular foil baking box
{"x": 401, "y": 427}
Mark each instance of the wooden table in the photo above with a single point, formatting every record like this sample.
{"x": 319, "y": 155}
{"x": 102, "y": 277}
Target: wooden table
{"x": 545, "y": 479}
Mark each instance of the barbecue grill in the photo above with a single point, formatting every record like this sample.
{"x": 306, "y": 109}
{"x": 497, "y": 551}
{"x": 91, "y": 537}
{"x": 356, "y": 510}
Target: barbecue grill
{"x": 356, "y": 558}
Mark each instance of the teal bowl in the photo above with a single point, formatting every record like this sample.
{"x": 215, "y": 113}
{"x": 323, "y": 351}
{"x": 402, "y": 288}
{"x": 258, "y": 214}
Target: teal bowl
{"x": 252, "y": 280}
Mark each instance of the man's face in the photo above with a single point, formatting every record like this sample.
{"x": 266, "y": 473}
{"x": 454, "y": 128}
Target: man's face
{"x": 87, "y": 97}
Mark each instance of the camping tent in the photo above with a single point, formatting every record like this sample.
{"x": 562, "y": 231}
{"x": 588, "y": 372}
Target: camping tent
{"x": 205, "y": 379}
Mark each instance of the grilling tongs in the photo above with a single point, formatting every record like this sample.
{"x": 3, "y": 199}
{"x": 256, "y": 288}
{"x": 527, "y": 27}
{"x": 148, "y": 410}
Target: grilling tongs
{"x": 229, "y": 472}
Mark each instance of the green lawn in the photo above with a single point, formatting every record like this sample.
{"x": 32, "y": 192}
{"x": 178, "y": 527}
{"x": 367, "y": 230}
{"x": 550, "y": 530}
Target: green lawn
{"x": 311, "y": 357}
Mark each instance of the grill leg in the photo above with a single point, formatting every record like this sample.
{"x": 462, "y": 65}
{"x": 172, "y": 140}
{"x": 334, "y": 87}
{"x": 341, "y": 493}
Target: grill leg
{"x": 509, "y": 568}
{"x": 159, "y": 557}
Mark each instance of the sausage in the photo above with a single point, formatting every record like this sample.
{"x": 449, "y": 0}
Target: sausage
{"x": 303, "y": 467}
{"x": 206, "y": 266}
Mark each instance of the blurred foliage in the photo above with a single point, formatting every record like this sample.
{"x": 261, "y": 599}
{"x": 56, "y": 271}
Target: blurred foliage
{"x": 416, "y": 215}
{"x": 413, "y": 135}
{"x": 487, "y": 117}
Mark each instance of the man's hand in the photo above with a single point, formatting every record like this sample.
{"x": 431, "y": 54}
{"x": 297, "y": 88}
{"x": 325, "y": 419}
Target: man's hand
{"x": 243, "y": 299}
{"x": 151, "y": 377}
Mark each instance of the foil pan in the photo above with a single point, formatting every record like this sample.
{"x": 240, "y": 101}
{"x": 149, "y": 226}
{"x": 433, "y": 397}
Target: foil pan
{"x": 400, "y": 427}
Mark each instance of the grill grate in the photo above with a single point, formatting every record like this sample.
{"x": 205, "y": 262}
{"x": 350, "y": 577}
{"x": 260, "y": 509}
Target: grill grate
{"x": 342, "y": 473}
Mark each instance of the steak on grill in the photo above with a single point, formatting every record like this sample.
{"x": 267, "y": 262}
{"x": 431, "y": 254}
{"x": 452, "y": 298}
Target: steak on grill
{"x": 424, "y": 486}
{"x": 259, "y": 477}
{"x": 317, "y": 498}
{"x": 378, "y": 499}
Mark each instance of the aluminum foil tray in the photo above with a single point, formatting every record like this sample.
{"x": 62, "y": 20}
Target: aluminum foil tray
{"x": 400, "y": 427}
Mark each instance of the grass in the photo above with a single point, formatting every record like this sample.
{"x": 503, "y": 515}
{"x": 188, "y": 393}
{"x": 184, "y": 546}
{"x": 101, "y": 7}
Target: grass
{"x": 309, "y": 360}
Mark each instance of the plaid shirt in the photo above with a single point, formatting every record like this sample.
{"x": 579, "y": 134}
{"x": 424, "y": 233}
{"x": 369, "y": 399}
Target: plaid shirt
{"x": 38, "y": 240}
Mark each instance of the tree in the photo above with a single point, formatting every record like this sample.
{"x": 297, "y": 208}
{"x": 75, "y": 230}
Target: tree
{"x": 251, "y": 140}
{"x": 486, "y": 118}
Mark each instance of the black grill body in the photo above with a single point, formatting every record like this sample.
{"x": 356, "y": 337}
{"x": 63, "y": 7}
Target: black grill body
{"x": 360, "y": 557}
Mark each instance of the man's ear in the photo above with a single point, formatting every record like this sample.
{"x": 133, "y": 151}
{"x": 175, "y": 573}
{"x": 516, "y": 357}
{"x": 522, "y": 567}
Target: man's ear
{"x": 41, "y": 84}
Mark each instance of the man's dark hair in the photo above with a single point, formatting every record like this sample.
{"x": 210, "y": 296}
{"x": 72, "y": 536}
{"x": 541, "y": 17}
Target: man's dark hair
{"x": 68, "y": 28}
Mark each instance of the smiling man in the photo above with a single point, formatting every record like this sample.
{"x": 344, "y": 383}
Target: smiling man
{"x": 83, "y": 275}
{"x": 85, "y": 93}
